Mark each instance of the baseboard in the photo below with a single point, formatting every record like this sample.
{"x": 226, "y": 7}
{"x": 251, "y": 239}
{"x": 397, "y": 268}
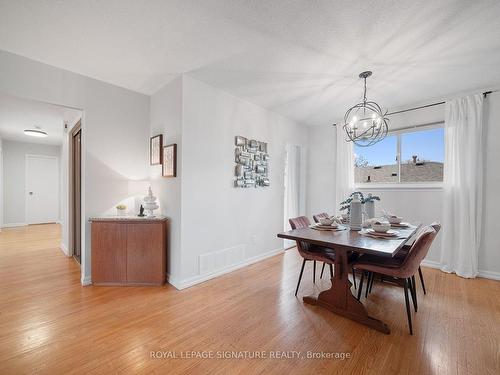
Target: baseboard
{"x": 191, "y": 281}
{"x": 482, "y": 273}
{"x": 489, "y": 275}
{"x": 86, "y": 281}
{"x": 64, "y": 249}
{"x": 12, "y": 225}
{"x": 431, "y": 264}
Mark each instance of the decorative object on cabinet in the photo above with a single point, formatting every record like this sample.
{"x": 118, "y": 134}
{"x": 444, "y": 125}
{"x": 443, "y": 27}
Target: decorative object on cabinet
{"x": 155, "y": 149}
{"x": 252, "y": 163}
{"x": 150, "y": 204}
{"x": 128, "y": 250}
{"x": 121, "y": 210}
{"x": 141, "y": 211}
{"x": 169, "y": 161}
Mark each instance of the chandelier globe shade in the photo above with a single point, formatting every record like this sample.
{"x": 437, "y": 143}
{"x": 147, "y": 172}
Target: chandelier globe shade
{"x": 365, "y": 123}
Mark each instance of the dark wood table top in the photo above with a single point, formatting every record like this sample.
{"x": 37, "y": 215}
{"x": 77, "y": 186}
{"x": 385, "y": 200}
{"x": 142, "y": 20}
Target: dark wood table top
{"x": 351, "y": 240}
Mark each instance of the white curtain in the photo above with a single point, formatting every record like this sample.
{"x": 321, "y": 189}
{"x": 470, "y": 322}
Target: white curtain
{"x": 344, "y": 167}
{"x": 292, "y": 183}
{"x": 463, "y": 185}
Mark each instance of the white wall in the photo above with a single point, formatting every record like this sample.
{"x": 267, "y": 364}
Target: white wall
{"x": 115, "y": 130}
{"x": 321, "y": 171}
{"x": 1, "y": 183}
{"x": 14, "y": 167}
{"x": 166, "y": 119}
{"x": 215, "y": 216}
{"x": 425, "y": 205}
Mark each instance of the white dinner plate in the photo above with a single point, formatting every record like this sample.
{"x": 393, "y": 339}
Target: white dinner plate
{"x": 389, "y": 233}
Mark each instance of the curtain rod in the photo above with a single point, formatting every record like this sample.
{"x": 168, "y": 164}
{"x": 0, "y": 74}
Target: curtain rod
{"x": 427, "y": 105}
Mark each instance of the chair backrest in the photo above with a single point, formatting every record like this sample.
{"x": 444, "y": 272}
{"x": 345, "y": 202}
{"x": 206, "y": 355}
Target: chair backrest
{"x": 419, "y": 249}
{"x": 297, "y": 223}
{"x": 322, "y": 215}
{"x": 436, "y": 225}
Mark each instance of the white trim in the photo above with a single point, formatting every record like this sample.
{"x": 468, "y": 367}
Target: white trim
{"x": 64, "y": 249}
{"x": 28, "y": 156}
{"x": 401, "y": 186}
{"x": 489, "y": 275}
{"x": 431, "y": 264}
{"x": 191, "y": 281}
{"x": 86, "y": 281}
{"x": 416, "y": 128}
{"x": 13, "y": 225}
{"x": 85, "y": 253}
{"x": 482, "y": 273}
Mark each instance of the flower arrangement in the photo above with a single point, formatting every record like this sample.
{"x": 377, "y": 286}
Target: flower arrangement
{"x": 346, "y": 204}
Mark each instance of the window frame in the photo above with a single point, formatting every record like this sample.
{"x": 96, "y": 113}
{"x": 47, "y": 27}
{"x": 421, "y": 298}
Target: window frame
{"x": 404, "y": 185}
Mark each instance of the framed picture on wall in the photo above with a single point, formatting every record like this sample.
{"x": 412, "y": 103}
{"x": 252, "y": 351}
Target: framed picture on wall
{"x": 155, "y": 148}
{"x": 169, "y": 161}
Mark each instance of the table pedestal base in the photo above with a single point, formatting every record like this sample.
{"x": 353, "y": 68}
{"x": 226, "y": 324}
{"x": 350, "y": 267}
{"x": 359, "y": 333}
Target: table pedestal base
{"x": 340, "y": 300}
{"x": 358, "y": 315}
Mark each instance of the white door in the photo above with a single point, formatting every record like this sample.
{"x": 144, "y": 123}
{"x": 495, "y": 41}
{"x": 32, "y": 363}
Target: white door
{"x": 42, "y": 189}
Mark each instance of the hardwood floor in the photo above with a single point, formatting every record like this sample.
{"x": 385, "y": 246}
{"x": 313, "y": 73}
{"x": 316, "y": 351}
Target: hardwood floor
{"x": 50, "y": 324}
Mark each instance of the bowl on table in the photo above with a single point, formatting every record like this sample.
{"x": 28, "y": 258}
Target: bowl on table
{"x": 394, "y": 219}
{"x": 381, "y": 227}
{"x": 326, "y": 220}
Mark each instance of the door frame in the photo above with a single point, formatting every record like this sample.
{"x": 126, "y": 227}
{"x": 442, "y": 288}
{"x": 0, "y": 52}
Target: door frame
{"x": 27, "y": 156}
{"x": 71, "y": 192}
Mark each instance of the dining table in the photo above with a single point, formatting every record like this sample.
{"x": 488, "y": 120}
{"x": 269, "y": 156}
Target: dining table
{"x": 338, "y": 298}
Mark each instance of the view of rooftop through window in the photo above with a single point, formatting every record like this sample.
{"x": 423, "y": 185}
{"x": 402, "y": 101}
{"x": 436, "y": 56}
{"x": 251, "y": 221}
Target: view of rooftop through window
{"x": 422, "y": 158}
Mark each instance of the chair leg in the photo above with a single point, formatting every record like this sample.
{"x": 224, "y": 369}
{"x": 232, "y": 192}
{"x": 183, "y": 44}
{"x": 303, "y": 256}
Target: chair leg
{"x": 361, "y": 284}
{"x": 407, "y": 302}
{"x": 354, "y": 276}
{"x": 371, "y": 283}
{"x": 331, "y": 271}
{"x": 314, "y": 272}
{"x": 300, "y": 277}
{"x": 322, "y": 270}
{"x": 368, "y": 281}
{"x": 414, "y": 293}
{"x": 421, "y": 279}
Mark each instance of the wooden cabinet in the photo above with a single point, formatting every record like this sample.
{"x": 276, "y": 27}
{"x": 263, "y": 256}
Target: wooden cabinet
{"x": 128, "y": 251}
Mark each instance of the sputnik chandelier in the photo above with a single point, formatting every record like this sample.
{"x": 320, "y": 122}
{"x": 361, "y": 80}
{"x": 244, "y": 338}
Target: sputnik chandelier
{"x": 364, "y": 123}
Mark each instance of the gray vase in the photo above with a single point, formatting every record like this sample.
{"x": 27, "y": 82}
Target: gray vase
{"x": 356, "y": 214}
{"x": 370, "y": 209}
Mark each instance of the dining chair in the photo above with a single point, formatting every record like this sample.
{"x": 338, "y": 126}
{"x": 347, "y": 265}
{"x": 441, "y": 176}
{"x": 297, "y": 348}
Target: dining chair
{"x": 322, "y": 215}
{"x": 316, "y": 218}
{"x": 404, "y": 251}
{"x": 401, "y": 255}
{"x": 310, "y": 252}
{"x": 401, "y": 269}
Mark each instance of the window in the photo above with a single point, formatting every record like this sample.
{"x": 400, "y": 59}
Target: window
{"x": 413, "y": 156}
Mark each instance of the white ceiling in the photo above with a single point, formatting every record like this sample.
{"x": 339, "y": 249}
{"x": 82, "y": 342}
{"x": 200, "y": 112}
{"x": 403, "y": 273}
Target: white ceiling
{"x": 18, "y": 114}
{"x": 299, "y": 58}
